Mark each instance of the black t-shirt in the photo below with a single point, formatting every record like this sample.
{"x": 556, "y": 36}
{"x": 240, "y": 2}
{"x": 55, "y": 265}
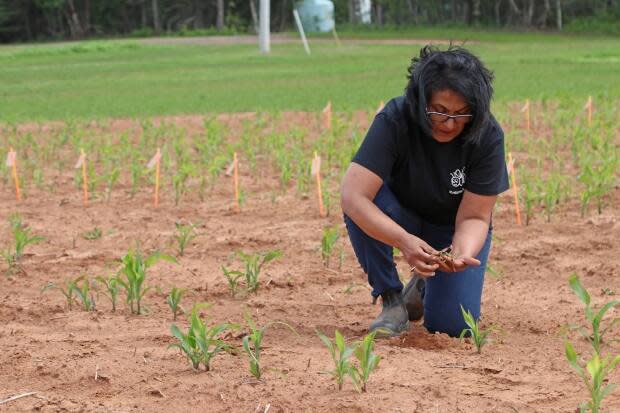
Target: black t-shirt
{"x": 427, "y": 176}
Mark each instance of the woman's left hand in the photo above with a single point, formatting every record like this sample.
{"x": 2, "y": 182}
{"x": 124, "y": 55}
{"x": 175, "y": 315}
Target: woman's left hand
{"x": 460, "y": 263}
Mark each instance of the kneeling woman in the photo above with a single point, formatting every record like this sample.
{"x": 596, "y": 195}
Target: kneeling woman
{"x": 426, "y": 177}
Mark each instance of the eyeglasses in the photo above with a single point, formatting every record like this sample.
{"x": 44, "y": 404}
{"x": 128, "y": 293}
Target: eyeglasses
{"x": 438, "y": 117}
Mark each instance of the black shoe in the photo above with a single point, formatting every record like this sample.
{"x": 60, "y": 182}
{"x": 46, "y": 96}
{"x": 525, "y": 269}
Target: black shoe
{"x": 413, "y": 297}
{"x": 393, "y": 318}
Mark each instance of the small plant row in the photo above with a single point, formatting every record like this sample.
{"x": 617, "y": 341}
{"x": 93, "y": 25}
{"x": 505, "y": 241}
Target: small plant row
{"x": 595, "y": 368}
{"x": 201, "y": 342}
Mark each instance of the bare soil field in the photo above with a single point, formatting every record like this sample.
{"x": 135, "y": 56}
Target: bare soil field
{"x": 104, "y": 361}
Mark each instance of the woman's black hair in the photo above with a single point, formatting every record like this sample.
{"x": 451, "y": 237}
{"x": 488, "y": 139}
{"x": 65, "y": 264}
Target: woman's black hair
{"x": 455, "y": 69}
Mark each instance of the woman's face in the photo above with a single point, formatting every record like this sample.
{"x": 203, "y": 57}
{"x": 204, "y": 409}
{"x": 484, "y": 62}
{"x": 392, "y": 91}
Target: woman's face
{"x": 450, "y": 103}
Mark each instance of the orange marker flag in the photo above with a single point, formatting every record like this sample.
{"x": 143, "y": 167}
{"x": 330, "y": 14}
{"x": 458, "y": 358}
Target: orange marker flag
{"x": 315, "y": 171}
{"x": 156, "y": 162}
{"x": 11, "y": 162}
{"x": 236, "y": 181}
{"x": 513, "y": 175}
{"x": 526, "y": 110}
{"x": 81, "y": 163}
{"x": 327, "y": 116}
{"x": 380, "y": 108}
{"x": 588, "y": 106}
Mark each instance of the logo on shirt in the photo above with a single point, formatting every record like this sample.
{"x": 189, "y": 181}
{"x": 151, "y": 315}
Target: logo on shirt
{"x": 457, "y": 179}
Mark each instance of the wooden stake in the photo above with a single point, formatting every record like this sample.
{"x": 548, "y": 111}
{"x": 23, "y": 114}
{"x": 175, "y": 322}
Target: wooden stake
{"x": 155, "y": 162}
{"x": 327, "y": 116}
{"x": 157, "y": 176}
{"x": 316, "y": 171}
{"x": 82, "y": 163}
{"x": 236, "y": 181}
{"x": 380, "y": 108}
{"x": 11, "y": 162}
{"x": 513, "y": 175}
{"x": 589, "y": 107}
{"x": 526, "y": 109}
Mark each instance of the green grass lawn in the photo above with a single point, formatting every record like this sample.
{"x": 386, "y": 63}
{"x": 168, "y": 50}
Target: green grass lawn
{"x": 125, "y": 78}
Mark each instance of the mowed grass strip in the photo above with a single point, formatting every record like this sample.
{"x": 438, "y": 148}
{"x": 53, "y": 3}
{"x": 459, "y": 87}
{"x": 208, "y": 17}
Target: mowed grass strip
{"x": 126, "y": 78}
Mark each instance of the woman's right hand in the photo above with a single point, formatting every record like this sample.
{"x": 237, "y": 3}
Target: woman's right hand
{"x": 420, "y": 256}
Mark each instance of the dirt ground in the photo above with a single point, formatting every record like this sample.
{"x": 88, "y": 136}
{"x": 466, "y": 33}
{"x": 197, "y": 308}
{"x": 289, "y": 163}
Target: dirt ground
{"x": 102, "y": 361}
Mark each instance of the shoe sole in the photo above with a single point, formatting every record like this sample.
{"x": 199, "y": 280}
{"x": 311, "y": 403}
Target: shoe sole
{"x": 384, "y": 332}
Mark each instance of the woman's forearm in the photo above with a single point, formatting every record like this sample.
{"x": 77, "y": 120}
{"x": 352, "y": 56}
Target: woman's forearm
{"x": 373, "y": 221}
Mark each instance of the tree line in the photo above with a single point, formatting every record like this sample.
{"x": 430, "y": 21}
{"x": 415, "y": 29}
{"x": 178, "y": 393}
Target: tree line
{"x": 35, "y": 20}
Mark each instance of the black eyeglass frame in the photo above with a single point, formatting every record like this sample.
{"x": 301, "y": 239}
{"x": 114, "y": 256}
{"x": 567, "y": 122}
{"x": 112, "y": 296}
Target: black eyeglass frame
{"x": 456, "y": 118}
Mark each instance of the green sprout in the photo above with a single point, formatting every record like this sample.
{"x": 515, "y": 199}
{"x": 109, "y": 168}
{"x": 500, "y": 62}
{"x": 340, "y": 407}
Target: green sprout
{"x": 185, "y": 234}
{"x": 112, "y": 286}
{"x": 233, "y": 278}
{"x": 201, "y": 343}
{"x": 134, "y": 269}
{"x": 594, "y": 376}
{"x": 253, "y": 265}
{"x": 82, "y": 289}
{"x": 328, "y": 241}
{"x": 67, "y": 291}
{"x": 21, "y": 238}
{"x": 93, "y": 234}
{"x": 340, "y": 353}
{"x": 368, "y": 361}
{"x": 595, "y": 337}
{"x": 479, "y": 335}
{"x": 253, "y": 341}
{"x": 174, "y": 300}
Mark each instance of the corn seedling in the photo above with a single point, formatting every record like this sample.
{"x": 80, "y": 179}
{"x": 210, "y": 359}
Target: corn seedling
{"x": 82, "y": 289}
{"x": 478, "y": 335}
{"x": 21, "y": 238}
{"x": 328, "y": 241}
{"x": 174, "y": 301}
{"x": 233, "y": 278}
{"x": 68, "y": 290}
{"x": 134, "y": 268}
{"x": 201, "y": 343}
{"x": 367, "y": 359}
{"x": 185, "y": 234}
{"x": 594, "y": 375}
{"x": 253, "y": 265}
{"x": 594, "y": 317}
{"x": 253, "y": 341}
{"x": 111, "y": 179}
{"x": 340, "y": 353}
{"x": 112, "y": 288}
{"x": 93, "y": 234}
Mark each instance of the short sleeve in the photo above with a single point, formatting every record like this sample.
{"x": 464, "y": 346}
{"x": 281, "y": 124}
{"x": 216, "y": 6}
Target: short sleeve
{"x": 487, "y": 173}
{"x": 378, "y": 151}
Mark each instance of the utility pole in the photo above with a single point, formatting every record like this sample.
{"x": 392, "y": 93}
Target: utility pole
{"x": 263, "y": 26}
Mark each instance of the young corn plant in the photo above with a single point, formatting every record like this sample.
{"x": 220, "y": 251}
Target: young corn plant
{"x": 367, "y": 359}
{"x": 233, "y": 278}
{"x": 112, "y": 287}
{"x": 596, "y": 335}
{"x": 134, "y": 267}
{"x": 21, "y": 238}
{"x": 174, "y": 301}
{"x": 93, "y": 234}
{"x": 82, "y": 289}
{"x": 68, "y": 290}
{"x": 252, "y": 343}
{"x": 340, "y": 352}
{"x": 185, "y": 234}
{"x": 201, "y": 343}
{"x": 328, "y": 241}
{"x": 594, "y": 375}
{"x": 253, "y": 265}
{"x": 478, "y": 335}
